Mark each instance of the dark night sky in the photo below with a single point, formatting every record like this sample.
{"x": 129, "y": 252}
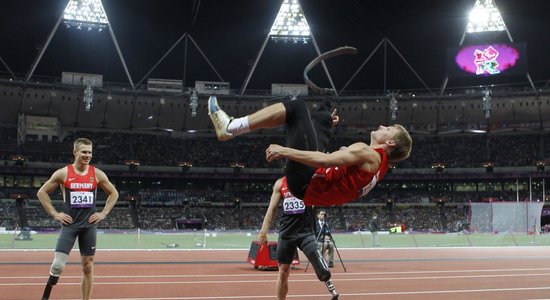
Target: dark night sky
{"x": 231, "y": 32}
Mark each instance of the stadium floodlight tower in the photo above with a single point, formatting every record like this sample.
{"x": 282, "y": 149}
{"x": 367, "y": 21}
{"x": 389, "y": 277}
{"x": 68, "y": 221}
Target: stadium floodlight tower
{"x": 85, "y": 13}
{"x": 290, "y": 25}
{"x": 81, "y": 14}
{"x": 485, "y": 17}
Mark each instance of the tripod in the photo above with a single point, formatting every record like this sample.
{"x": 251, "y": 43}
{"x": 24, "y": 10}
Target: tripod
{"x": 333, "y": 242}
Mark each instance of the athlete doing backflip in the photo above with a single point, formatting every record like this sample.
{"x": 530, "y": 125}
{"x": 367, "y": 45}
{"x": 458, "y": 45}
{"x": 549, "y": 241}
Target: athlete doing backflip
{"x": 322, "y": 179}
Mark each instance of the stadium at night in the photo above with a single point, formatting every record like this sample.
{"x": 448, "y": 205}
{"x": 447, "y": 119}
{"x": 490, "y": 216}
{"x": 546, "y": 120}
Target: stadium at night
{"x": 469, "y": 81}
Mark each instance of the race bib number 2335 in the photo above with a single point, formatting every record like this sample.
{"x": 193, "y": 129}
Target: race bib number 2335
{"x": 293, "y": 206}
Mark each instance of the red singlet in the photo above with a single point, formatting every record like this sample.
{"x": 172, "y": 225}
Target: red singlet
{"x": 339, "y": 185}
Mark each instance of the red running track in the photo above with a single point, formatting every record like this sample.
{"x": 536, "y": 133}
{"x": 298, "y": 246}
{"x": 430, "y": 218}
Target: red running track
{"x": 441, "y": 273}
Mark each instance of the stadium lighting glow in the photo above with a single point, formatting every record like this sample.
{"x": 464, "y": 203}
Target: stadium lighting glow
{"x": 88, "y": 98}
{"x": 87, "y": 13}
{"x": 393, "y": 105}
{"x": 487, "y": 102}
{"x": 485, "y": 17}
{"x": 193, "y": 102}
{"x": 290, "y": 24}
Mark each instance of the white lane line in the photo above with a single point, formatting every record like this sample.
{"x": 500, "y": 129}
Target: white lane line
{"x": 374, "y": 294}
{"x": 294, "y": 274}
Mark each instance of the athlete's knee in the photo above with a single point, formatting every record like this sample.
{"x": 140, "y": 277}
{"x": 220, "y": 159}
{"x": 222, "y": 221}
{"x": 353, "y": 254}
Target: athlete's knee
{"x": 58, "y": 264}
{"x": 284, "y": 270}
{"x": 87, "y": 265}
{"x": 57, "y": 268}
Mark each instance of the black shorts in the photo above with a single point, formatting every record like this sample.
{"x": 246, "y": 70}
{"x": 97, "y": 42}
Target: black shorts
{"x": 86, "y": 240}
{"x": 286, "y": 248}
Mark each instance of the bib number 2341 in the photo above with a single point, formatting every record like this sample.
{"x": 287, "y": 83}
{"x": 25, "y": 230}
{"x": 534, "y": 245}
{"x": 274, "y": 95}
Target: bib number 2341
{"x": 82, "y": 199}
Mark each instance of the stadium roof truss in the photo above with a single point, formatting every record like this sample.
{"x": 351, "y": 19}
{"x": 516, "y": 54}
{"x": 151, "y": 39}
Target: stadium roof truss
{"x": 7, "y": 67}
{"x": 385, "y": 42}
{"x": 289, "y": 25}
{"x": 88, "y": 14}
{"x": 185, "y": 37}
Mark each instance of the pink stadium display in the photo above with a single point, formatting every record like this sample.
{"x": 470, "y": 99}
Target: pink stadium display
{"x": 487, "y": 60}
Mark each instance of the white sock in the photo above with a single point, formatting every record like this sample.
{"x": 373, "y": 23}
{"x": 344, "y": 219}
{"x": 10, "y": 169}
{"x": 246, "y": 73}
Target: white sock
{"x": 238, "y": 126}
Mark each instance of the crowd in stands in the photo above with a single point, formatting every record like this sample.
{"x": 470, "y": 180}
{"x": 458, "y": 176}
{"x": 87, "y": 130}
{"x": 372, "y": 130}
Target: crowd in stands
{"x": 152, "y": 150}
{"x": 427, "y": 217}
{"x": 216, "y": 205}
{"x": 474, "y": 150}
{"x": 222, "y": 193}
{"x": 164, "y": 149}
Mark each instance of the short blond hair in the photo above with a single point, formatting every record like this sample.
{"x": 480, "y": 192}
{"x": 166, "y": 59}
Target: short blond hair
{"x": 403, "y": 145}
{"x": 81, "y": 141}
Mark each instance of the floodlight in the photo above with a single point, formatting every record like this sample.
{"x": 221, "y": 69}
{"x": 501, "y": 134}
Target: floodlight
{"x": 485, "y": 17}
{"x": 290, "y": 24}
{"x": 79, "y": 13}
{"x": 87, "y": 13}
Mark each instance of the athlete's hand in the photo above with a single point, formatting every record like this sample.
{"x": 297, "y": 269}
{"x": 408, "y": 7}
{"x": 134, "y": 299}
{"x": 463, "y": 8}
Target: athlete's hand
{"x": 274, "y": 152}
{"x": 63, "y": 218}
{"x": 262, "y": 238}
{"x": 335, "y": 118}
{"x": 96, "y": 217}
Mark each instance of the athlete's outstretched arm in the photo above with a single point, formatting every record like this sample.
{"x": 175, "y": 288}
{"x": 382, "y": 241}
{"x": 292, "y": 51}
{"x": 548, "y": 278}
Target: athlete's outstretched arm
{"x": 356, "y": 154}
{"x": 271, "y": 210}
